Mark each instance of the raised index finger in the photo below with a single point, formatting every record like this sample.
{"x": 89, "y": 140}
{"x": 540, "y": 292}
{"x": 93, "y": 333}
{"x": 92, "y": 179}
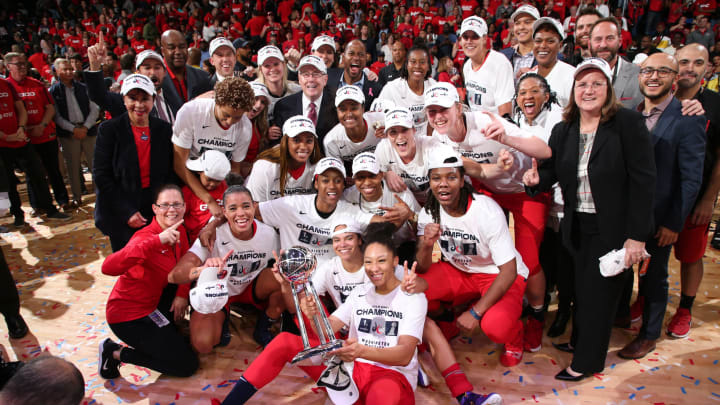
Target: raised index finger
{"x": 101, "y": 40}
{"x": 491, "y": 115}
{"x": 176, "y": 224}
{"x": 227, "y": 256}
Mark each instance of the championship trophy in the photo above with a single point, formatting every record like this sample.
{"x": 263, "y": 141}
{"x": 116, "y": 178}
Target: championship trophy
{"x": 297, "y": 265}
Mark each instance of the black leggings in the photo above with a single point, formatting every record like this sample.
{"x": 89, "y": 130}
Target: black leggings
{"x": 9, "y": 300}
{"x": 160, "y": 349}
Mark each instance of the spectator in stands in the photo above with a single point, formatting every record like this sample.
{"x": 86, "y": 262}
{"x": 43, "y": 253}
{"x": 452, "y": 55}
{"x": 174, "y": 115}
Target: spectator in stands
{"x": 76, "y": 121}
{"x": 702, "y": 33}
{"x": 392, "y": 71}
{"x": 586, "y": 18}
{"x": 127, "y": 63}
{"x": 63, "y": 386}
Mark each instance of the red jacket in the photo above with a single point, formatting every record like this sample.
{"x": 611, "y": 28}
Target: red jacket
{"x": 143, "y": 266}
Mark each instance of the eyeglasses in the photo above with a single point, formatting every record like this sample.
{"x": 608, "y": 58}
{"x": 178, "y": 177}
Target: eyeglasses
{"x": 166, "y": 206}
{"x": 593, "y": 85}
{"x": 662, "y": 72}
{"x": 314, "y": 75}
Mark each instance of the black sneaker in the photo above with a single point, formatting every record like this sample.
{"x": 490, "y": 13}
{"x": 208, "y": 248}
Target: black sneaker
{"x": 108, "y": 367}
{"x": 17, "y": 328}
{"x": 19, "y": 222}
{"x": 57, "y": 215}
{"x": 262, "y": 334}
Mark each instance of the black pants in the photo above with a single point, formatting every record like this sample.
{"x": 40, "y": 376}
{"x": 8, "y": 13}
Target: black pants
{"x": 9, "y": 299}
{"x": 160, "y": 349}
{"x": 596, "y": 297}
{"x": 654, "y": 288}
{"x": 27, "y": 159}
{"x": 121, "y": 234}
{"x": 48, "y": 153}
{"x": 557, "y": 263}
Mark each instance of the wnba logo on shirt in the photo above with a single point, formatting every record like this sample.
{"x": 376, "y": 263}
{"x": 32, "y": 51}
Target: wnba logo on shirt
{"x": 469, "y": 249}
{"x": 310, "y": 239}
{"x": 378, "y": 326}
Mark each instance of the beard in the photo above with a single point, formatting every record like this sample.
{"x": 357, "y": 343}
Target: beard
{"x": 659, "y": 96}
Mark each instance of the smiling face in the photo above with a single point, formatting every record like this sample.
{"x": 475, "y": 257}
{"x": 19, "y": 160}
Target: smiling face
{"x": 418, "y": 65}
{"x": 693, "y": 63}
{"x": 531, "y": 97}
{"x": 582, "y": 29}
{"x": 260, "y": 104}
{"x": 239, "y": 211}
{"x": 224, "y": 61}
{"x": 369, "y": 185}
{"x": 312, "y": 81}
{"x": 301, "y": 147}
{"x": 169, "y": 216}
{"x": 354, "y": 59}
{"x": 330, "y": 186}
{"x": 272, "y": 70}
{"x": 403, "y": 141}
{"x": 327, "y": 54}
{"x": 445, "y": 183}
{"x": 590, "y": 91}
{"x": 174, "y": 49}
{"x": 657, "y": 85}
{"x": 346, "y": 245}
{"x": 605, "y": 42}
{"x": 523, "y": 28}
{"x": 472, "y": 44}
{"x": 444, "y": 120}
{"x": 380, "y": 262}
{"x": 350, "y": 115}
{"x": 138, "y": 104}
{"x": 546, "y": 45}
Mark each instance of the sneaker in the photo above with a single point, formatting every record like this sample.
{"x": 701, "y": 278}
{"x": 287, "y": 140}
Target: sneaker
{"x": 533, "y": 335}
{"x": 262, "y": 334}
{"x": 636, "y": 310}
{"x": 19, "y": 222}
{"x": 471, "y": 398}
{"x": 108, "y": 367}
{"x": 59, "y": 216}
{"x": 679, "y": 326}
{"x": 37, "y": 212}
{"x": 423, "y": 379}
{"x": 17, "y": 328}
{"x": 513, "y": 353}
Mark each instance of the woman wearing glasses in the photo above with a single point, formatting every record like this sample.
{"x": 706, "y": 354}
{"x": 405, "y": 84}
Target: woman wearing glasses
{"x": 604, "y": 162}
{"x": 133, "y": 157}
{"x": 132, "y": 310}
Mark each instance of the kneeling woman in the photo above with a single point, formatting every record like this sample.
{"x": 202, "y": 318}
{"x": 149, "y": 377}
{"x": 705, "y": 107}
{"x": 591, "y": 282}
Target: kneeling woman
{"x": 132, "y": 309}
{"x": 246, "y": 245}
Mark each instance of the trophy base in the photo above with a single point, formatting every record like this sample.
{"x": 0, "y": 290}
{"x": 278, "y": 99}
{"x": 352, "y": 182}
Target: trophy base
{"x": 317, "y": 350}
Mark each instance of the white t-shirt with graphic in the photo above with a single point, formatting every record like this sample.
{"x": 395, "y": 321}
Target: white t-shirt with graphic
{"x": 379, "y": 320}
{"x": 338, "y": 144}
{"x": 353, "y": 196}
{"x": 477, "y": 242}
{"x": 332, "y": 278}
{"x": 400, "y": 94}
{"x": 197, "y": 129}
{"x": 491, "y": 85}
{"x": 476, "y": 147}
{"x": 300, "y": 224}
{"x": 249, "y": 257}
{"x": 264, "y": 181}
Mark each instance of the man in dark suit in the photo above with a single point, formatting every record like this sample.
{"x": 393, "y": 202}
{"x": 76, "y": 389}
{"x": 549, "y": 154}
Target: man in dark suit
{"x": 315, "y": 101}
{"x": 392, "y": 71}
{"x": 222, "y": 57}
{"x": 182, "y": 82}
{"x": 679, "y": 144}
{"x": 354, "y": 60}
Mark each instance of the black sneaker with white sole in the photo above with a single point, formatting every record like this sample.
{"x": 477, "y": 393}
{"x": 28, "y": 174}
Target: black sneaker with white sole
{"x": 59, "y": 216}
{"x": 108, "y": 367}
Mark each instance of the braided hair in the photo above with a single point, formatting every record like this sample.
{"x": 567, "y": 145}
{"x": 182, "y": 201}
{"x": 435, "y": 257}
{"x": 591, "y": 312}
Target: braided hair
{"x": 432, "y": 205}
{"x": 544, "y": 85}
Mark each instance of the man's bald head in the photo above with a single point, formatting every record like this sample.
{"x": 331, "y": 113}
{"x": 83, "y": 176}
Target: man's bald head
{"x": 694, "y": 49}
{"x": 657, "y": 75}
{"x": 693, "y": 62}
{"x": 660, "y": 59}
{"x": 174, "y": 49}
{"x": 354, "y": 60}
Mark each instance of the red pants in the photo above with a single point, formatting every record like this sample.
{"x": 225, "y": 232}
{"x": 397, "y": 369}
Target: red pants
{"x": 379, "y": 385}
{"x": 691, "y": 242}
{"x": 448, "y": 285}
{"x": 529, "y": 217}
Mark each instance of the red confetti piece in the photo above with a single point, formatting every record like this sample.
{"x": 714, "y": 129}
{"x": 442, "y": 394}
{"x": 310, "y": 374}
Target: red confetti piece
{"x": 431, "y": 388}
{"x": 652, "y": 359}
{"x": 553, "y": 362}
{"x": 177, "y": 396}
{"x": 246, "y": 361}
{"x": 691, "y": 361}
{"x": 535, "y": 398}
{"x": 237, "y": 370}
{"x": 468, "y": 359}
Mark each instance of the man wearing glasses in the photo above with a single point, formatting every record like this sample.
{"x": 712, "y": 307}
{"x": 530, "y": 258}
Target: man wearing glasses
{"x": 679, "y": 143}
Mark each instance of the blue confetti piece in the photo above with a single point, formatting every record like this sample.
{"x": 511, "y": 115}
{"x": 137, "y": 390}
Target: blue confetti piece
{"x": 683, "y": 390}
{"x": 612, "y": 366}
{"x": 632, "y": 396}
{"x": 555, "y": 392}
{"x": 92, "y": 402}
{"x": 529, "y": 362}
{"x": 112, "y": 383}
{"x": 715, "y": 362}
{"x": 697, "y": 382}
{"x": 686, "y": 376}
{"x": 575, "y": 392}
{"x": 507, "y": 372}
{"x": 600, "y": 387}
{"x": 715, "y": 395}
{"x": 520, "y": 379}
{"x": 223, "y": 385}
{"x": 493, "y": 351}
{"x": 642, "y": 387}
{"x": 712, "y": 381}
{"x": 206, "y": 387}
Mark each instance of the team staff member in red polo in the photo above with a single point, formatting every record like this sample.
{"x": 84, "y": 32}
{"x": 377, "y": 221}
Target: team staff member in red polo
{"x": 15, "y": 148}
{"x": 40, "y": 129}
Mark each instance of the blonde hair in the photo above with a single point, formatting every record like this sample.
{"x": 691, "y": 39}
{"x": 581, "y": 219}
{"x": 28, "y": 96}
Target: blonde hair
{"x": 261, "y": 77}
{"x": 280, "y": 154}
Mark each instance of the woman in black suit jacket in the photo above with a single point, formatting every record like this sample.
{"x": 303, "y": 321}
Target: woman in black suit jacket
{"x": 603, "y": 160}
{"x": 133, "y": 156}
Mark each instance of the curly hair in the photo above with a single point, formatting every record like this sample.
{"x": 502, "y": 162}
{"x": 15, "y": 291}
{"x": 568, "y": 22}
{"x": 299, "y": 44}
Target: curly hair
{"x": 236, "y": 93}
{"x": 544, "y": 85}
{"x": 432, "y": 205}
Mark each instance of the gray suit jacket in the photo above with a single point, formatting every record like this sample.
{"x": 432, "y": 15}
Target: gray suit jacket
{"x": 626, "y": 85}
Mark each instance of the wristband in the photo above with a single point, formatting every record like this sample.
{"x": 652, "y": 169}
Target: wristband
{"x": 475, "y": 314}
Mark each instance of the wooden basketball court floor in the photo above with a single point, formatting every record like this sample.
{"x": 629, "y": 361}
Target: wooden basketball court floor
{"x": 63, "y": 294}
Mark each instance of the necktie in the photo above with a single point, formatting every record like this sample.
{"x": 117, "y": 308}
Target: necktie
{"x": 312, "y": 113}
{"x": 161, "y": 109}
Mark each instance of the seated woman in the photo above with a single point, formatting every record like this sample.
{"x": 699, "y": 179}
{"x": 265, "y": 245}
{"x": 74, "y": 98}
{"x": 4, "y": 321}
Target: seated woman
{"x": 246, "y": 246}
{"x": 482, "y": 267}
{"x": 211, "y": 168}
{"x": 132, "y": 309}
{"x": 287, "y": 169}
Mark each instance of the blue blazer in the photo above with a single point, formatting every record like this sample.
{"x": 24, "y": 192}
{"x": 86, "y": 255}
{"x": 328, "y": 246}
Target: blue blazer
{"x": 679, "y": 143}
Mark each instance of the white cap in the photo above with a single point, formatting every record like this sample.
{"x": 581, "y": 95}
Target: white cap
{"x": 365, "y": 162}
{"x": 382, "y": 105}
{"x": 441, "y": 154}
{"x": 137, "y": 81}
{"x": 269, "y": 51}
{"x": 322, "y": 40}
{"x": 314, "y": 61}
{"x": 210, "y": 294}
{"x": 639, "y": 58}
{"x": 443, "y": 94}
{"x": 525, "y": 9}
{"x": 213, "y": 163}
{"x": 349, "y": 93}
{"x": 218, "y": 42}
{"x": 351, "y": 226}
{"x": 398, "y": 117}
{"x": 552, "y": 22}
{"x": 260, "y": 90}
{"x": 147, "y": 54}
{"x": 328, "y": 163}
{"x": 298, "y": 124}
{"x": 593, "y": 63}
{"x": 474, "y": 24}
{"x": 337, "y": 379}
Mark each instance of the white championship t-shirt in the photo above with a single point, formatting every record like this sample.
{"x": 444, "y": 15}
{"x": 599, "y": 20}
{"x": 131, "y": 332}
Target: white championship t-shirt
{"x": 400, "y": 94}
{"x": 197, "y": 129}
{"x": 249, "y": 257}
{"x": 476, "y": 147}
{"x": 292, "y": 88}
{"x": 264, "y": 181}
{"x": 379, "y": 320}
{"x": 300, "y": 224}
{"x": 353, "y": 196}
{"x": 338, "y": 144}
{"x": 560, "y": 80}
{"x": 473, "y": 245}
{"x": 491, "y": 85}
{"x": 331, "y": 277}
